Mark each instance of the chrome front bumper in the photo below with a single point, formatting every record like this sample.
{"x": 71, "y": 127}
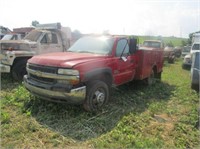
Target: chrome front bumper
{"x": 4, "y": 68}
{"x": 75, "y": 96}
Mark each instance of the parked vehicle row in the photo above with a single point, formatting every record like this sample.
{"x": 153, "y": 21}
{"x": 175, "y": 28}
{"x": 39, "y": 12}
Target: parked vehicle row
{"x": 187, "y": 62}
{"x": 83, "y": 73}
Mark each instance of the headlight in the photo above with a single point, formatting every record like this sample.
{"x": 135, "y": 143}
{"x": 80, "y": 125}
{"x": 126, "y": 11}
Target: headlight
{"x": 70, "y": 72}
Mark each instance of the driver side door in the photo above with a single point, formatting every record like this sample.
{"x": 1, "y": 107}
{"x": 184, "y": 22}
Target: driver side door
{"x": 124, "y": 61}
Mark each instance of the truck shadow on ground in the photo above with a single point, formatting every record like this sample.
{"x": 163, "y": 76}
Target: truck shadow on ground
{"x": 72, "y": 121}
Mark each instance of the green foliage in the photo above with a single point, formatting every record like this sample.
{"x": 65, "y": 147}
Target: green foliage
{"x": 161, "y": 116}
{"x": 170, "y": 44}
{"x": 173, "y": 41}
{"x": 183, "y": 43}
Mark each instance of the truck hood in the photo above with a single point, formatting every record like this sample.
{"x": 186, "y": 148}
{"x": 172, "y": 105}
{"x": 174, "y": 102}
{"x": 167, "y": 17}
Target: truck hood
{"x": 64, "y": 59}
{"x": 17, "y": 44}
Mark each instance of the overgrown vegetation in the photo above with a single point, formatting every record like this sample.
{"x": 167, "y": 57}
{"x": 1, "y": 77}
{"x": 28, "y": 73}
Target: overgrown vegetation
{"x": 161, "y": 116}
{"x": 168, "y": 41}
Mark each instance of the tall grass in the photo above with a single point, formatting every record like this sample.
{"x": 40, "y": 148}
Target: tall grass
{"x": 161, "y": 116}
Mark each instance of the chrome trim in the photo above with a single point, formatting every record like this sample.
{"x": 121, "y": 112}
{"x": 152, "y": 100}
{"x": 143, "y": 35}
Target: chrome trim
{"x": 52, "y": 76}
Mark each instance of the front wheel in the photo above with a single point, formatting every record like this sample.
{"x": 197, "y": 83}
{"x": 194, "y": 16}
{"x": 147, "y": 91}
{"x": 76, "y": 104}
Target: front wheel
{"x": 19, "y": 70}
{"x": 97, "y": 95}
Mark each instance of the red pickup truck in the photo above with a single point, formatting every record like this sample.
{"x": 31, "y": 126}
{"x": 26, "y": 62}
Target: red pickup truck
{"x": 86, "y": 72}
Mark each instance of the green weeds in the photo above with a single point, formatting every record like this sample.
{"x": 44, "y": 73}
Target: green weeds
{"x": 161, "y": 116}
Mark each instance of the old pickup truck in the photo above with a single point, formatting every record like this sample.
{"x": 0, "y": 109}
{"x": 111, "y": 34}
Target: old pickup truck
{"x": 45, "y": 38}
{"x": 86, "y": 72}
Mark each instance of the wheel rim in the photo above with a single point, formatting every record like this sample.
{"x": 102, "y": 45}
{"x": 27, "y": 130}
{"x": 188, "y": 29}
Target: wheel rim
{"x": 98, "y": 97}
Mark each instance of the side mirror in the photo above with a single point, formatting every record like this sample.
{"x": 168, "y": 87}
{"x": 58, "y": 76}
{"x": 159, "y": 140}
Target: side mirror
{"x": 133, "y": 45}
{"x": 124, "y": 58}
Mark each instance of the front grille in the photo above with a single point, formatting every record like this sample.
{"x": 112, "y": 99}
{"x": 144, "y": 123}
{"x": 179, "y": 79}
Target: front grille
{"x": 42, "y": 80}
{"x": 46, "y": 69}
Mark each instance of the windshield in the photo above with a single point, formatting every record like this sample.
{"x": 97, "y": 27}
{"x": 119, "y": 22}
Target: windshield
{"x": 95, "y": 45}
{"x": 196, "y": 47}
{"x": 7, "y": 37}
{"x": 186, "y": 49}
{"x": 152, "y": 44}
{"x": 33, "y": 35}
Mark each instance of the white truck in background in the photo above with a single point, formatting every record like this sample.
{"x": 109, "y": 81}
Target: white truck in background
{"x": 18, "y": 33}
{"x": 4, "y": 31}
{"x": 187, "y": 62}
{"x": 45, "y": 38}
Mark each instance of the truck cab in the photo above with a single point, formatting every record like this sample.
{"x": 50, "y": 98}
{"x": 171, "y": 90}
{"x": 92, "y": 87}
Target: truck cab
{"x": 187, "y": 61}
{"x": 85, "y": 73}
{"x": 45, "y": 38}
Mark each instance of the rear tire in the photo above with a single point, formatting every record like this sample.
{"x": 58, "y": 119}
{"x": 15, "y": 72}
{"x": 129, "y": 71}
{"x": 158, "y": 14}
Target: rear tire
{"x": 19, "y": 70}
{"x": 151, "y": 79}
{"x": 97, "y": 96}
{"x": 158, "y": 76}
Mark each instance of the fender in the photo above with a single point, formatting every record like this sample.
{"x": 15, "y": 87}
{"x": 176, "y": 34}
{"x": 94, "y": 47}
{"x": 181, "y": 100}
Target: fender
{"x": 10, "y": 56}
{"x": 99, "y": 74}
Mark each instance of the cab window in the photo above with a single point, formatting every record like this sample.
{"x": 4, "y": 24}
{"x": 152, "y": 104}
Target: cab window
{"x": 122, "y": 45}
{"x": 54, "y": 38}
{"x": 45, "y": 39}
{"x": 49, "y": 38}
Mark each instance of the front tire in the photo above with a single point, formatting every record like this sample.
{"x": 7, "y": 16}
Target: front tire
{"x": 19, "y": 70}
{"x": 97, "y": 96}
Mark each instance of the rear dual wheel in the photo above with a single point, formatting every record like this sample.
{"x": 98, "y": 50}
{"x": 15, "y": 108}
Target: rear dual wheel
{"x": 153, "y": 78}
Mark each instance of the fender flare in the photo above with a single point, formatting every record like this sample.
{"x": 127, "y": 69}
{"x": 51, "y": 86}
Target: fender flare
{"x": 98, "y": 74}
